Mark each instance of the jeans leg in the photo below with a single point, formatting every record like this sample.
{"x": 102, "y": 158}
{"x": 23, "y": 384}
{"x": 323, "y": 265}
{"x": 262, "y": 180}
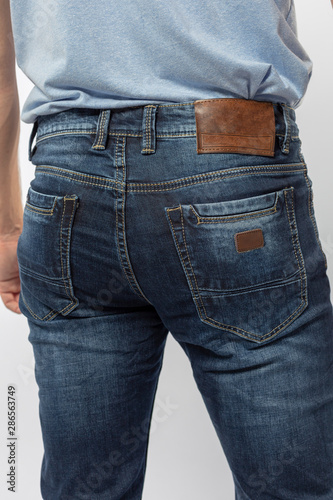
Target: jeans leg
{"x": 272, "y": 404}
{"x": 273, "y": 414}
{"x": 97, "y": 385}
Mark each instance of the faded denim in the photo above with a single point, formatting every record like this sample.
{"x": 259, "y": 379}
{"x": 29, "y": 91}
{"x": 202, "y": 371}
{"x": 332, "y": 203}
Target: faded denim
{"x": 129, "y": 234}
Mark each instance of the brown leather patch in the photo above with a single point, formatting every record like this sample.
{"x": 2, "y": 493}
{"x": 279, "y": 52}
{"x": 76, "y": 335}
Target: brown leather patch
{"x": 235, "y": 126}
{"x": 249, "y": 240}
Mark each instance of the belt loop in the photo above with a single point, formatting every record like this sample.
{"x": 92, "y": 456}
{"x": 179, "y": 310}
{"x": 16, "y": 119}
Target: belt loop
{"x": 32, "y": 135}
{"x": 286, "y": 141}
{"x": 149, "y": 129}
{"x": 101, "y": 136}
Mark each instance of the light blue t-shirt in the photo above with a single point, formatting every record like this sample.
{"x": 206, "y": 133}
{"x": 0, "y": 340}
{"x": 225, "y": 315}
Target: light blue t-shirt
{"x": 114, "y": 54}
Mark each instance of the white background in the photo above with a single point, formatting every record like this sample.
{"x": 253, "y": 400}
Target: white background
{"x": 185, "y": 460}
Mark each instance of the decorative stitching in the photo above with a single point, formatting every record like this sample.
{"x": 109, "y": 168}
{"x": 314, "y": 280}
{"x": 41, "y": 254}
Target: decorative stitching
{"x": 101, "y": 132}
{"x": 44, "y": 211}
{"x": 238, "y": 218}
{"x": 275, "y": 283}
{"x": 292, "y": 136}
{"x": 35, "y": 315}
{"x": 213, "y": 173}
{"x": 177, "y": 134}
{"x": 314, "y": 224}
{"x": 189, "y": 260}
{"x": 286, "y": 142}
{"x": 249, "y": 290}
{"x": 289, "y": 107}
{"x": 72, "y": 174}
{"x": 148, "y": 120}
{"x": 289, "y": 132}
{"x": 294, "y": 236}
{"x": 74, "y": 299}
{"x": 123, "y": 224}
{"x": 227, "y": 218}
{"x": 216, "y": 172}
{"x": 41, "y": 277}
{"x": 182, "y": 259}
{"x": 60, "y": 244}
{"x": 83, "y": 182}
{"x": 128, "y": 134}
{"x": 219, "y": 178}
{"x": 64, "y": 132}
{"x": 223, "y": 149}
{"x": 229, "y": 328}
{"x": 175, "y": 105}
{"x": 116, "y": 204}
{"x": 301, "y": 306}
{"x": 213, "y": 176}
{"x": 147, "y": 130}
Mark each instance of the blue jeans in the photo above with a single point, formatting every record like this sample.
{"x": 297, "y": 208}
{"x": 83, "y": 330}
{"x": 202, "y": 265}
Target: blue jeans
{"x": 129, "y": 234}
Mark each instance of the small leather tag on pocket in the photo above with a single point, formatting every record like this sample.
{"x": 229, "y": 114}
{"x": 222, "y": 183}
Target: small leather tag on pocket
{"x": 235, "y": 126}
{"x": 249, "y": 240}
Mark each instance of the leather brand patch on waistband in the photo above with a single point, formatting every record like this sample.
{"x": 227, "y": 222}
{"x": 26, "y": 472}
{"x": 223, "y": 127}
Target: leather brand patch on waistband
{"x": 249, "y": 240}
{"x": 235, "y": 126}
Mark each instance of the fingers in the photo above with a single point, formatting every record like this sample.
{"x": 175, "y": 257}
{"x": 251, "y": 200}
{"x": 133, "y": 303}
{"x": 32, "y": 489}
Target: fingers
{"x": 11, "y": 300}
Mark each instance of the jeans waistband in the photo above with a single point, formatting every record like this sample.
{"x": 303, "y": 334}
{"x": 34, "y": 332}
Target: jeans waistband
{"x": 150, "y": 122}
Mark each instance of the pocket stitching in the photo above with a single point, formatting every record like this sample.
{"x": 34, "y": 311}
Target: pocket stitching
{"x": 65, "y": 279}
{"x": 312, "y": 217}
{"x": 181, "y": 257}
{"x": 74, "y": 300}
{"x": 230, "y": 328}
{"x": 310, "y": 203}
{"x": 295, "y": 236}
{"x": 52, "y": 310}
{"x": 224, "y": 219}
{"x": 43, "y": 211}
{"x": 35, "y": 315}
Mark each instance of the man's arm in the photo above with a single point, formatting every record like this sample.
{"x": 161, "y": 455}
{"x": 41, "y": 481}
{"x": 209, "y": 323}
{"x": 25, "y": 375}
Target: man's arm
{"x": 10, "y": 190}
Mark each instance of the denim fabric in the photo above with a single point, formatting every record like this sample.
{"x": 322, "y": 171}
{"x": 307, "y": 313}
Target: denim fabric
{"x": 128, "y": 235}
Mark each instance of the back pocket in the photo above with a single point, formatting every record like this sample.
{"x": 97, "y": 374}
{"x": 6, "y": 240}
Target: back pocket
{"x": 43, "y": 253}
{"x": 243, "y": 262}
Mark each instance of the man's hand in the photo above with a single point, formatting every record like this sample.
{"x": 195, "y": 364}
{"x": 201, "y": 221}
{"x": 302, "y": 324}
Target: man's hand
{"x": 9, "y": 273}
